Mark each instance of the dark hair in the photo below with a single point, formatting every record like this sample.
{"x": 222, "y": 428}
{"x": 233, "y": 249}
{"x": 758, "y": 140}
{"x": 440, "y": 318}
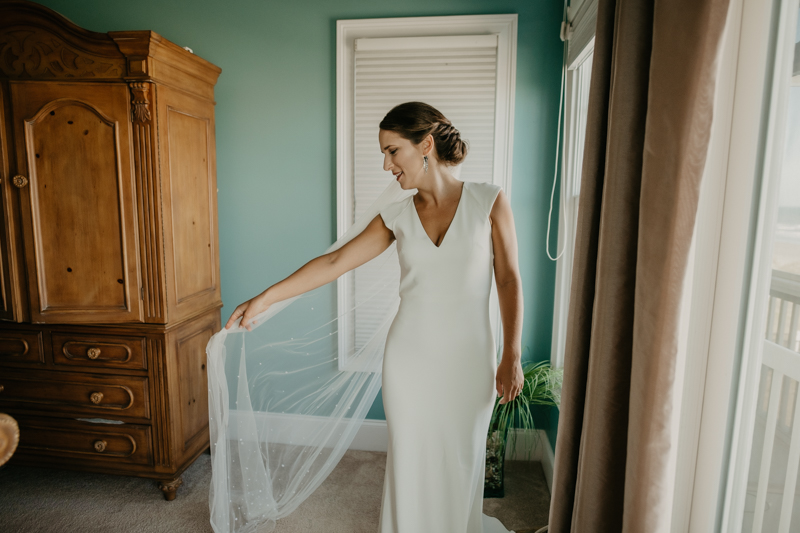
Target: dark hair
{"x": 416, "y": 120}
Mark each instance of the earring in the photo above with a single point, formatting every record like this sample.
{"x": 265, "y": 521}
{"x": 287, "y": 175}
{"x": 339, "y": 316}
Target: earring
{"x": 425, "y": 163}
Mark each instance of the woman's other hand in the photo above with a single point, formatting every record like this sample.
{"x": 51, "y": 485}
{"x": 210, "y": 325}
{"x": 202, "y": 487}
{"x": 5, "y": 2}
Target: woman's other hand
{"x": 509, "y": 379}
{"x": 248, "y": 310}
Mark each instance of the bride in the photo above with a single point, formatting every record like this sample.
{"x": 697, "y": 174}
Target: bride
{"x": 439, "y": 370}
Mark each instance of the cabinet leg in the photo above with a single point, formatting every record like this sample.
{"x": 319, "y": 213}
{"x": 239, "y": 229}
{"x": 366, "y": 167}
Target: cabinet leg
{"x": 170, "y": 487}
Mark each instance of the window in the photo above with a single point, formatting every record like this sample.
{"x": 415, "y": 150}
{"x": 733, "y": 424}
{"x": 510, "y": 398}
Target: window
{"x": 578, "y": 76}
{"x": 465, "y": 67}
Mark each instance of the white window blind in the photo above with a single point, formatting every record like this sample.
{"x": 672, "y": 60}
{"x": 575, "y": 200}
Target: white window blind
{"x": 468, "y": 77}
{"x": 582, "y": 19}
{"x": 458, "y": 76}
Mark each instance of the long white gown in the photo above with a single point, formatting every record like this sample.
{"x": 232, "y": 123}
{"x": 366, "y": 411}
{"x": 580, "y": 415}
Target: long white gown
{"x": 438, "y": 371}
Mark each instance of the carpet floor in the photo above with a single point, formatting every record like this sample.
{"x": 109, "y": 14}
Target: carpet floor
{"x": 38, "y": 500}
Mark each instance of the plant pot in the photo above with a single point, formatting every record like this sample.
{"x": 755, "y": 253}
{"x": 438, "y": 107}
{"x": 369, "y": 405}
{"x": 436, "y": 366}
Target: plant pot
{"x": 493, "y": 486}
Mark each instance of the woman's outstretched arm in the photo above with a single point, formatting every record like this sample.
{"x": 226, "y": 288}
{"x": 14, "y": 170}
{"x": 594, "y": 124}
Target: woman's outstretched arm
{"x": 367, "y": 245}
{"x": 509, "y": 379}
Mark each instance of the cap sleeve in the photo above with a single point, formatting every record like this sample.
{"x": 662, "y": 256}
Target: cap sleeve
{"x": 485, "y": 194}
{"x": 390, "y": 213}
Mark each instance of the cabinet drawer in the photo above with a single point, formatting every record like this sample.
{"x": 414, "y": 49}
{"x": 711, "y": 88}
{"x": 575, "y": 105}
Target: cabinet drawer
{"x": 85, "y": 394}
{"x": 117, "y": 443}
{"x": 21, "y": 347}
{"x": 98, "y": 351}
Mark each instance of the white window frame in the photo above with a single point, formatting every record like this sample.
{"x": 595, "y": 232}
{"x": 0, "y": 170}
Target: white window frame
{"x": 347, "y": 31}
{"x": 713, "y": 354}
{"x": 571, "y": 165}
{"x": 754, "y": 346}
{"x": 580, "y": 49}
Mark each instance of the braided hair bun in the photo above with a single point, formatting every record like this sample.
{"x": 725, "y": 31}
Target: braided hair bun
{"x": 416, "y": 120}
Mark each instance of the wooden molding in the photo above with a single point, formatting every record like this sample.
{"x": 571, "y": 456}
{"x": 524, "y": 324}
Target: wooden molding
{"x": 150, "y": 56}
{"x": 147, "y": 185}
{"x": 13, "y": 276}
{"x": 38, "y": 43}
{"x": 37, "y": 53}
{"x": 161, "y": 416}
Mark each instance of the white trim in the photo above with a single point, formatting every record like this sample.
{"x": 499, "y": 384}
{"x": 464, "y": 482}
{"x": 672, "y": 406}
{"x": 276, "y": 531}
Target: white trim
{"x": 542, "y": 452}
{"x": 585, "y": 52}
{"x": 548, "y": 460}
{"x": 373, "y": 436}
{"x": 571, "y": 164}
{"x": 583, "y": 24}
{"x": 720, "y": 275}
{"x": 364, "y": 44}
{"x": 778, "y": 72}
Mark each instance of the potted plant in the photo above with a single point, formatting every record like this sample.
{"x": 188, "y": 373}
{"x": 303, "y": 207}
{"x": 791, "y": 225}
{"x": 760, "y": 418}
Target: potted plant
{"x": 542, "y": 387}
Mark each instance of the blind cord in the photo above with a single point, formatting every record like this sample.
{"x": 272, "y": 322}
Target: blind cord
{"x": 558, "y": 153}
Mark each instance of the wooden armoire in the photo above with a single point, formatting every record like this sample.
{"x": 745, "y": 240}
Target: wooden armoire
{"x": 109, "y": 270}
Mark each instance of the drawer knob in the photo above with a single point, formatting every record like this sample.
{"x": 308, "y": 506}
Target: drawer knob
{"x": 2, "y": 388}
{"x": 100, "y": 446}
{"x": 93, "y": 353}
{"x": 96, "y": 397}
{"x": 19, "y": 181}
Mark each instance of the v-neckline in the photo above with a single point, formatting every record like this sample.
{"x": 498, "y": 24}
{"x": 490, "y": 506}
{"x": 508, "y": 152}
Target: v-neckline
{"x": 447, "y": 231}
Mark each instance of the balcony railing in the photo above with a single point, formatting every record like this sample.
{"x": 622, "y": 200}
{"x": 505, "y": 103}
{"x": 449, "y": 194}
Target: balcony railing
{"x": 772, "y": 488}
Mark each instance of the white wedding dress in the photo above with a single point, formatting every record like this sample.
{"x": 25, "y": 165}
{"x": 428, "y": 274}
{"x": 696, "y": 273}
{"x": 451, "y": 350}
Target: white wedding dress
{"x": 287, "y": 398}
{"x": 439, "y": 371}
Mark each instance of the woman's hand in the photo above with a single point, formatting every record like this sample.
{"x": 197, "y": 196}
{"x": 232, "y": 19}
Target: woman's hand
{"x": 248, "y": 310}
{"x": 509, "y": 379}
{"x": 367, "y": 245}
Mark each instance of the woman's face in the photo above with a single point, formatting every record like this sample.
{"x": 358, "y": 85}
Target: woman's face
{"x": 403, "y": 158}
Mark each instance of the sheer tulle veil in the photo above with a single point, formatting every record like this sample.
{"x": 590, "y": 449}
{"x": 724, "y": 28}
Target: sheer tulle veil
{"x": 287, "y": 398}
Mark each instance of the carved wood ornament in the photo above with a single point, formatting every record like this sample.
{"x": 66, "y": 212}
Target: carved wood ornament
{"x": 36, "y": 53}
{"x": 140, "y": 110}
{"x": 169, "y": 487}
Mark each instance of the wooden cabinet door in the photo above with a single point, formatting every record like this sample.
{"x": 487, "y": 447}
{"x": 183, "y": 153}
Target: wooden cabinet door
{"x": 189, "y": 188}
{"x": 73, "y": 147}
{"x": 11, "y": 257}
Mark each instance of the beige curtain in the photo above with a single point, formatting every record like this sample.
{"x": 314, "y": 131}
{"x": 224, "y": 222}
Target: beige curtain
{"x": 650, "y": 112}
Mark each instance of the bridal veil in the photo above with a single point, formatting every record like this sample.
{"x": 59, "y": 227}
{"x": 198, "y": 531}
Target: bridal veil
{"x": 287, "y": 398}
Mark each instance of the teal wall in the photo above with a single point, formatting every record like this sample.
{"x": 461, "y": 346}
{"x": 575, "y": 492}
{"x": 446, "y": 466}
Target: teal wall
{"x": 276, "y": 118}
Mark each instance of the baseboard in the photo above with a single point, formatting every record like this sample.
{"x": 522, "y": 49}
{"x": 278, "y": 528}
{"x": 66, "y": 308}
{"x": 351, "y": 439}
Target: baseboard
{"x": 533, "y": 447}
{"x": 373, "y": 436}
{"x": 548, "y": 460}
